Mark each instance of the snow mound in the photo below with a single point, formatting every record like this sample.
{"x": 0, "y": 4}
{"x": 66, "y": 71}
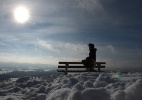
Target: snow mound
{"x": 83, "y": 86}
{"x": 134, "y": 91}
{"x": 95, "y": 93}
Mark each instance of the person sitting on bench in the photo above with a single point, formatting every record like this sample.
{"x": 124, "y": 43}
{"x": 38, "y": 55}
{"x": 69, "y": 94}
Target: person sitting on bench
{"x": 91, "y": 60}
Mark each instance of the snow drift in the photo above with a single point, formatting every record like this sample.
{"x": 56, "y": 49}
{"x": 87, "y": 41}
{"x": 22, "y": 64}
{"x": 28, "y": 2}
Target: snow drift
{"x": 84, "y": 86}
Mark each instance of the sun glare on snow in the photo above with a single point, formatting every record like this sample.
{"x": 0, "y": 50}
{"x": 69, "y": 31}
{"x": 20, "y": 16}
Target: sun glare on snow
{"x": 21, "y": 14}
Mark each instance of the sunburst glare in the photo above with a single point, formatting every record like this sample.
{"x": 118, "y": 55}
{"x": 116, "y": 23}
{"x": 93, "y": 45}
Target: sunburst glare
{"x": 21, "y": 14}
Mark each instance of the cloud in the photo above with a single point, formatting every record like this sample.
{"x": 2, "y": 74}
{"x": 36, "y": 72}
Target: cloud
{"x": 28, "y": 59}
{"x": 56, "y": 29}
{"x": 111, "y": 48}
{"x": 46, "y": 45}
{"x": 73, "y": 22}
{"x": 63, "y": 48}
{"x": 74, "y": 47}
{"x": 90, "y": 5}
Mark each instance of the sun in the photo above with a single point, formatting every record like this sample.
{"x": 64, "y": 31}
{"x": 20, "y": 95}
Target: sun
{"x": 21, "y": 14}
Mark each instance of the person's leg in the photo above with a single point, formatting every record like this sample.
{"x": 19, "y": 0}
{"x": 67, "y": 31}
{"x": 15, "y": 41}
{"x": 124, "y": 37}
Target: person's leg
{"x": 85, "y": 63}
{"x": 92, "y": 64}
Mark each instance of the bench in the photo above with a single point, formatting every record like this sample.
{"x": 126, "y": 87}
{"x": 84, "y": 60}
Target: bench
{"x": 78, "y": 65}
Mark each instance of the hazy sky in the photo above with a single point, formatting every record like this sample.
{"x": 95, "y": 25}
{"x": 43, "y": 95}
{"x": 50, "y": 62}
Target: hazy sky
{"x": 60, "y": 30}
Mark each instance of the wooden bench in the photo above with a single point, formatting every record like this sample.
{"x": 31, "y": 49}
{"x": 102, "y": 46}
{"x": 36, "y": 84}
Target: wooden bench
{"x": 78, "y": 65}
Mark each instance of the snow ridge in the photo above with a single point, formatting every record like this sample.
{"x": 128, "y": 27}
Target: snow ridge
{"x": 84, "y": 86}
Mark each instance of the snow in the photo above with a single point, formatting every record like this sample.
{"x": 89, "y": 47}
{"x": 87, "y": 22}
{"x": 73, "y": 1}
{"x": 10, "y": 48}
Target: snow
{"x": 83, "y": 86}
{"x": 95, "y": 93}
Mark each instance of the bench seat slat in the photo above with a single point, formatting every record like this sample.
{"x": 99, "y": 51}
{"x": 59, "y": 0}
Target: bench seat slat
{"x": 79, "y": 67}
{"x": 100, "y": 62}
{"x": 79, "y": 63}
{"x": 77, "y": 71}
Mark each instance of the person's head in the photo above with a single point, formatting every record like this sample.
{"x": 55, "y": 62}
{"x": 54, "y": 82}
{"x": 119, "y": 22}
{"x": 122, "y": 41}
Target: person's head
{"x": 91, "y": 46}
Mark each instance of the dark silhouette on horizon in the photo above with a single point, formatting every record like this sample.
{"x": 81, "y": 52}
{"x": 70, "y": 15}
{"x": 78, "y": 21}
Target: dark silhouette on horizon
{"x": 90, "y": 61}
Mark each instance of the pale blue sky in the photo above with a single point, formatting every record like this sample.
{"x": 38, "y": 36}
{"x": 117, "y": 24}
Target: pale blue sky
{"x": 60, "y": 30}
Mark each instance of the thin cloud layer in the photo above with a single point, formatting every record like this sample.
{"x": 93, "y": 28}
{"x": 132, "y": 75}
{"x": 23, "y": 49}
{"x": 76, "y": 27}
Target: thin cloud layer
{"x": 113, "y": 26}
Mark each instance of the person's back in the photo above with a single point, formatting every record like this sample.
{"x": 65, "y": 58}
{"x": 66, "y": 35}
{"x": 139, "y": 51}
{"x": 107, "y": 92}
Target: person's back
{"x": 92, "y": 53}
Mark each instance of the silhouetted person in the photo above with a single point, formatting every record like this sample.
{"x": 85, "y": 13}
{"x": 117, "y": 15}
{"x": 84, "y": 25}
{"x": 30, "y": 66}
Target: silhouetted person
{"x": 90, "y": 61}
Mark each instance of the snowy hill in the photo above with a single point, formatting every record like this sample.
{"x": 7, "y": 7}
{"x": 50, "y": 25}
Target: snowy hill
{"x": 84, "y": 86}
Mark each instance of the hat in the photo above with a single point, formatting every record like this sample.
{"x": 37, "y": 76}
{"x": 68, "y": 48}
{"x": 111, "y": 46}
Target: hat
{"x": 91, "y": 45}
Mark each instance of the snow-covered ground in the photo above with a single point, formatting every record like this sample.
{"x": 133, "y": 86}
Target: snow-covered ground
{"x": 83, "y": 86}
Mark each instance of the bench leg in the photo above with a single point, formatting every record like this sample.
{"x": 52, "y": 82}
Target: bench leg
{"x": 99, "y": 69}
{"x": 66, "y": 69}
